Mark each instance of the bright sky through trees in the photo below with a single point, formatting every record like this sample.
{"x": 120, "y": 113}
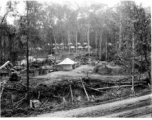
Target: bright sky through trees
{"x": 110, "y": 3}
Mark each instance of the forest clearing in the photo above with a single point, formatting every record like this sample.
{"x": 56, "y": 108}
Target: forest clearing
{"x": 75, "y": 60}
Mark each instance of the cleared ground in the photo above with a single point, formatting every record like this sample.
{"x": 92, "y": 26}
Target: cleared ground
{"x": 77, "y": 73}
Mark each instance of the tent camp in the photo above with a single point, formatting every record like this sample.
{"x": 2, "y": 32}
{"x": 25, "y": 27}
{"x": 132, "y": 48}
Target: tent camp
{"x": 80, "y": 47}
{"x": 87, "y": 47}
{"x": 84, "y": 43}
{"x": 56, "y": 47}
{"x": 78, "y": 43}
{"x": 38, "y": 48}
{"x": 72, "y": 47}
{"x": 67, "y": 64}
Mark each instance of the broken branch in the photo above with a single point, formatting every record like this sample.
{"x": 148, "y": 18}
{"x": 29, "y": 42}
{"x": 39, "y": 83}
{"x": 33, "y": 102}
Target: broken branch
{"x": 85, "y": 90}
{"x": 71, "y": 93}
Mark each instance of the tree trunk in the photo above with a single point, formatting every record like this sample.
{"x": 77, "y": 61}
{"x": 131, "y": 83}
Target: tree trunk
{"x": 120, "y": 34}
{"x": 69, "y": 41}
{"x": 147, "y": 65}
{"x": 88, "y": 40}
{"x": 55, "y": 46}
{"x": 106, "y": 51}
{"x": 96, "y": 44}
{"x": 100, "y": 41}
{"x": 27, "y": 53}
{"x": 133, "y": 62}
{"x": 76, "y": 41}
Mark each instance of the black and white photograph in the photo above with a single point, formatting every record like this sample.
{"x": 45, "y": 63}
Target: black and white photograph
{"x": 75, "y": 59}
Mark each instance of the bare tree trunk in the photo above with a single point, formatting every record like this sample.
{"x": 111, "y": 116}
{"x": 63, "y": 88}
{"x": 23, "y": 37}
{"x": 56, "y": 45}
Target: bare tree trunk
{"x": 96, "y": 42}
{"x": 55, "y": 45}
{"x": 106, "y": 50}
{"x": 100, "y": 41}
{"x": 88, "y": 41}
{"x": 76, "y": 41}
{"x": 69, "y": 41}
{"x": 120, "y": 33}
{"x": 1, "y": 47}
{"x": 27, "y": 52}
{"x": 133, "y": 62}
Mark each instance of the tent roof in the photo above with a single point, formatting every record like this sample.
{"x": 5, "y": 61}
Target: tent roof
{"x": 85, "y": 43}
{"x": 38, "y": 48}
{"x": 69, "y": 43}
{"x": 87, "y": 46}
{"x": 80, "y": 47}
{"x": 56, "y": 47}
{"x": 72, "y": 47}
{"x": 67, "y": 61}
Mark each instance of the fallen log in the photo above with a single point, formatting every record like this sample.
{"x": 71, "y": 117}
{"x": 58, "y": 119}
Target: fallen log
{"x": 4, "y": 65}
{"x": 116, "y": 87}
{"x": 113, "y": 79}
{"x": 94, "y": 89}
{"x": 135, "y": 82}
{"x": 107, "y": 78}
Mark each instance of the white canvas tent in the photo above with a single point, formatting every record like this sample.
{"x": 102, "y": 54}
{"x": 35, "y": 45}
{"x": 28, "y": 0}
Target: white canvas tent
{"x": 67, "y": 64}
{"x": 84, "y": 43}
{"x": 78, "y": 43}
{"x": 87, "y": 47}
{"x": 72, "y": 47}
{"x": 80, "y": 47}
{"x": 56, "y": 48}
{"x": 38, "y": 48}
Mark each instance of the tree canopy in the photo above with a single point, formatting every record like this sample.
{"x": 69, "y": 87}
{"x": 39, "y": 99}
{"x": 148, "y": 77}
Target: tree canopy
{"x": 107, "y": 28}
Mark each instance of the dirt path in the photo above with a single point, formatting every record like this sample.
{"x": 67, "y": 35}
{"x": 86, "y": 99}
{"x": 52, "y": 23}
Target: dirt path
{"x": 128, "y": 113}
{"x": 146, "y": 116}
{"x": 81, "y": 111}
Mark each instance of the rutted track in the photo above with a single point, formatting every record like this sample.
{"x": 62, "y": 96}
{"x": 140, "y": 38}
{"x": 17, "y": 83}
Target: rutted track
{"x": 132, "y": 107}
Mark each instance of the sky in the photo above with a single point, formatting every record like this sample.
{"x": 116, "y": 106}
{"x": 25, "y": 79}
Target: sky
{"x": 110, "y": 3}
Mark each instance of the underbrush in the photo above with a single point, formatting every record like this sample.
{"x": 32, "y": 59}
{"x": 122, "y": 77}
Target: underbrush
{"x": 57, "y": 96}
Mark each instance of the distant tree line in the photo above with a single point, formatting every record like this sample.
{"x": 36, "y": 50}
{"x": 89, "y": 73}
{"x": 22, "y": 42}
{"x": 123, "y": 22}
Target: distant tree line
{"x": 110, "y": 30}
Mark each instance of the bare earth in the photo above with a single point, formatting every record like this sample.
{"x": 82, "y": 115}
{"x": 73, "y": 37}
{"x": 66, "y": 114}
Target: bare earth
{"x": 103, "y": 107}
{"x": 77, "y": 73}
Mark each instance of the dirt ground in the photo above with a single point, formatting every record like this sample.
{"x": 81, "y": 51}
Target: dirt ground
{"x": 103, "y": 107}
{"x": 77, "y": 73}
{"x": 53, "y": 102}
